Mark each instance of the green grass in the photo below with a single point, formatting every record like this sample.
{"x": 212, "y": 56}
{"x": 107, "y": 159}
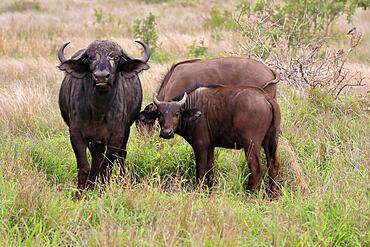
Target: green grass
{"x": 159, "y": 204}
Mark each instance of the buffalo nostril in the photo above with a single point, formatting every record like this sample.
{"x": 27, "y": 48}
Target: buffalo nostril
{"x": 101, "y": 75}
{"x": 167, "y": 132}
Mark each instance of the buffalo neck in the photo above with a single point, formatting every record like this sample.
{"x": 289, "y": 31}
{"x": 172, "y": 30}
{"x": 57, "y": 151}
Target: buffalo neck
{"x": 101, "y": 102}
{"x": 194, "y": 100}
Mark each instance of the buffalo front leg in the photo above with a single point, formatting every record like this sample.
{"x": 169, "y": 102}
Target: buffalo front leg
{"x": 210, "y": 166}
{"x": 201, "y": 163}
{"x": 79, "y": 148}
{"x": 97, "y": 155}
{"x": 106, "y": 167}
{"x": 114, "y": 152}
{"x": 121, "y": 155}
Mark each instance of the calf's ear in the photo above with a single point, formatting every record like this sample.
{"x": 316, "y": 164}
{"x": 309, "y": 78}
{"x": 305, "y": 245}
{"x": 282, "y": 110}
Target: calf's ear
{"x": 191, "y": 114}
{"x": 76, "y": 68}
{"x": 150, "y": 107}
{"x": 132, "y": 67}
{"x": 148, "y": 116}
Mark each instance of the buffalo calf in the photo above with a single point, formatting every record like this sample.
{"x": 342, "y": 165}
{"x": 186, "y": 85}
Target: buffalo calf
{"x": 228, "y": 117}
{"x": 187, "y": 76}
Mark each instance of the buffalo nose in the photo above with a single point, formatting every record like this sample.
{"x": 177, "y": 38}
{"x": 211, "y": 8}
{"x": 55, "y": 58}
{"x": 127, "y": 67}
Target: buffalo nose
{"x": 167, "y": 133}
{"x": 101, "y": 75}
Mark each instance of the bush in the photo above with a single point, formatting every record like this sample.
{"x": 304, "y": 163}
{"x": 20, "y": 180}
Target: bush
{"x": 144, "y": 29}
{"x": 22, "y": 5}
{"x": 160, "y": 57}
{"x": 197, "y": 49}
{"x": 221, "y": 20}
{"x": 293, "y": 39}
{"x": 299, "y": 21}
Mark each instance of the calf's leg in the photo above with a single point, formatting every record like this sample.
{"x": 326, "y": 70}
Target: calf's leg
{"x": 255, "y": 166}
{"x": 270, "y": 147}
{"x": 210, "y": 166}
{"x": 201, "y": 163}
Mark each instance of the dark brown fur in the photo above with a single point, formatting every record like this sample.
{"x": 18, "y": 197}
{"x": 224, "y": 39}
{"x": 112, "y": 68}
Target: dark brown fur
{"x": 189, "y": 75}
{"x": 228, "y": 117}
{"x": 100, "y": 97}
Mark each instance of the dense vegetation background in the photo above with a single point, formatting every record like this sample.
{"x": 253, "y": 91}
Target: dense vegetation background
{"x": 326, "y": 127}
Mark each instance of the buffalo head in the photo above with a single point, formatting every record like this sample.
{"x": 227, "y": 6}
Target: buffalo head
{"x": 103, "y": 60}
{"x": 172, "y": 114}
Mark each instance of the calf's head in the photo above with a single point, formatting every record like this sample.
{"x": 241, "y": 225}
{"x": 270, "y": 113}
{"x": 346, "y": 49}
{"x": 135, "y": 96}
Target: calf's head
{"x": 172, "y": 114}
{"x": 103, "y": 60}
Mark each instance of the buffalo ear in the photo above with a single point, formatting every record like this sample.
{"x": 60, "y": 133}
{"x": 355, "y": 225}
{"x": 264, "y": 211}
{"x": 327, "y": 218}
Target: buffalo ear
{"x": 148, "y": 116}
{"x": 150, "y": 107}
{"x": 76, "y": 68}
{"x": 191, "y": 114}
{"x": 132, "y": 67}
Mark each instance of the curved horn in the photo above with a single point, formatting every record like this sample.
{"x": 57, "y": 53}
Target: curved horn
{"x": 146, "y": 56}
{"x": 79, "y": 54}
{"x": 155, "y": 100}
{"x": 182, "y": 101}
{"x": 61, "y": 52}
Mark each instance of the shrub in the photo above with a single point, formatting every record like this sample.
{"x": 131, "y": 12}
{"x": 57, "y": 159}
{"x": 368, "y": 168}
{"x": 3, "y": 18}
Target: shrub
{"x": 22, "y": 5}
{"x": 197, "y": 49}
{"x": 144, "y": 29}
{"x": 161, "y": 57}
{"x": 298, "y": 21}
{"x": 293, "y": 39}
{"x": 98, "y": 14}
{"x": 221, "y": 20}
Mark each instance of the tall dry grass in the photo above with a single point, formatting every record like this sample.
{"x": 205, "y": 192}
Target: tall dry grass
{"x": 157, "y": 204}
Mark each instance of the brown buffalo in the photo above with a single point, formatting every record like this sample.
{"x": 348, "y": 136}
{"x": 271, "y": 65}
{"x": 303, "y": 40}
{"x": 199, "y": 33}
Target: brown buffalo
{"x": 189, "y": 75}
{"x": 228, "y": 117}
{"x": 99, "y": 99}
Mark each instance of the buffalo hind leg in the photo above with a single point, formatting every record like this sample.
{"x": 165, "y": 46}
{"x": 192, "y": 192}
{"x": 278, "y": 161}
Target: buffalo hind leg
{"x": 255, "y": 167}
{"x": 79, "y": 149}
{"x": 97, "y": 155}
{"x": 270, "y": 147}
{"x": 114, "y": 152}
{"x": 273, "y": 174}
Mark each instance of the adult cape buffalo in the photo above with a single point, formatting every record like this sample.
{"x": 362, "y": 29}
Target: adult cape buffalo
{"x": 229, "y": 117}
{"x": 99, "y": 99}
{"x": 188, "y": 75}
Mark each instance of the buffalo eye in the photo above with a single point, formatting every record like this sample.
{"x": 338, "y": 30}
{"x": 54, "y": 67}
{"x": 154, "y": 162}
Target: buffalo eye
{"x": 112, "y": 57}
{"x": 177, "y": 114}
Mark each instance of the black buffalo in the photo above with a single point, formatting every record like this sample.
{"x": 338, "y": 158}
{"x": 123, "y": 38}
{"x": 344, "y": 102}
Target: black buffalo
{"x": 99, "y": 99}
